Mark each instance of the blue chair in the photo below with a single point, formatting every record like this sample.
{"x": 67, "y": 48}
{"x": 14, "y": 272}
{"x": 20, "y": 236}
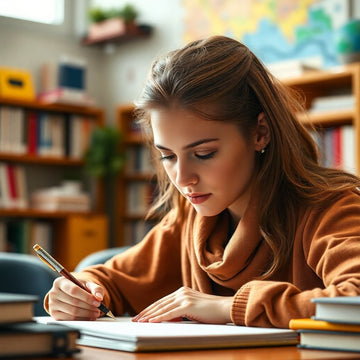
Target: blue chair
{"x": 100, "y": 257}
{"x": 26, "y": 274}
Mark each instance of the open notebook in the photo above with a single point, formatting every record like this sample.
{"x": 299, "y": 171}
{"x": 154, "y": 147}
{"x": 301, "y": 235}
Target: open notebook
{"x": 123, "y": 334}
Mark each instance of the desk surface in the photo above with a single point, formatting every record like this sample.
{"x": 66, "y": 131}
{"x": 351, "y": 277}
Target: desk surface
{"x": 268, "y": 353}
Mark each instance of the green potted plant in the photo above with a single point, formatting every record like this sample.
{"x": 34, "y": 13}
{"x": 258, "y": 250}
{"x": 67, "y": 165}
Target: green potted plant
{"x": 104, "y": 157}
{"x": 97, "y": 15}
{"x": 104, "y": 160}
{"x": 109, "y": 23}
{"x": 128, "y": 13}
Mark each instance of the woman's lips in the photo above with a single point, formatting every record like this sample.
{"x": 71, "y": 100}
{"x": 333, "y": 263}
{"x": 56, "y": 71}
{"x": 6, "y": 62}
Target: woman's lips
{"x": 197, "y": 198}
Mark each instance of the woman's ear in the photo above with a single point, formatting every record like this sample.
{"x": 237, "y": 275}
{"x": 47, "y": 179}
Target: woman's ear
{"x": 262, "y": 133}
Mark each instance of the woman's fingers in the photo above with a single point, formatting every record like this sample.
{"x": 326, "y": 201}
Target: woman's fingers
{"x": 95, "y": 290}
{"x": 68, "y": 301}
{"x": 188, "y": 303}
{"x": 65, "y": 311}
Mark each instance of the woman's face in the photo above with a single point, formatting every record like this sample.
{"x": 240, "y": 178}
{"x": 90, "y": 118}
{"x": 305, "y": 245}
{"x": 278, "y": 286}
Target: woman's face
{"x": 209, "y": 162}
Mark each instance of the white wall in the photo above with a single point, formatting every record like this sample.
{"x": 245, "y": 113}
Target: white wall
{"x": 126, "y": 68}
{"x": 112, "y": 78}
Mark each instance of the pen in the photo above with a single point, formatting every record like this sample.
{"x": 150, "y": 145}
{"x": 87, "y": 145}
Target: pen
{"x": 56, "y": 266}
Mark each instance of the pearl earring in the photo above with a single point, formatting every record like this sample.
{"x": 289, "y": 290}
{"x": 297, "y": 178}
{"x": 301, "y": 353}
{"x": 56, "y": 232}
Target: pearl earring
{"x": 262, "y": 151}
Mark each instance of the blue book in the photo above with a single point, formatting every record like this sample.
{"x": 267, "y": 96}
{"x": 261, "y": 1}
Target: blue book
{"x": 340, "y": 309}
{"x": 16, "y": 307}
{"x": 330, "y": 340}
{"x": 34, "y": 339}
{"x": 71, "y": 76}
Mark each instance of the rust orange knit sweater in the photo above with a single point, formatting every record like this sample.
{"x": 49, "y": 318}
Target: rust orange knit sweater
{"x": 325, "y": 262}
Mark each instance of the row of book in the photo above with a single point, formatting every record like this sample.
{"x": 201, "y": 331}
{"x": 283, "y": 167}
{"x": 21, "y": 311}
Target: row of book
{"x": 13, "y": 187}
{"x": 139, "y": 197}
{"x": 333, "y": 103}
{"x": 21, "y": 336}
{"x": 43, "y": 133}
{"x": 335, "y": 326}
{"x": 57, "y": 198}
{"x": 20, "y": 235}
{"x": 138, "y": 160}
{"x": 337, "y": 147}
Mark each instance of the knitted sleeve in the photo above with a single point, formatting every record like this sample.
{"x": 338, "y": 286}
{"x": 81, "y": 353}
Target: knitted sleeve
{"x": 141, "y": 275}
{"x": 329, "y": 242}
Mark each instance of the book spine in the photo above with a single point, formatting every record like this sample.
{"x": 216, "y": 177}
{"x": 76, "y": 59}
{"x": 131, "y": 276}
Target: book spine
{"x": 4, "y": 186}
{"x": 10, "y": 177}
{"x": 337, "y": 148}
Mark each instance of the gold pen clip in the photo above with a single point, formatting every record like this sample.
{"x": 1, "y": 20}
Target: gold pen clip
{"x": 46, "y": 262}
{"x": 47, "y": 258}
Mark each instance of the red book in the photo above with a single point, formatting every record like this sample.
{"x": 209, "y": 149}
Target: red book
{"x": 32, "y": 133}
{"x": 337, "y": 153}
{"x": 10, "y": 172}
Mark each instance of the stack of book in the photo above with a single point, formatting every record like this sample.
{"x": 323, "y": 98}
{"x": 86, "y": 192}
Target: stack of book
{"x": 295, "y": 67}
{"x": 21, "y": 336}
{"x": 333, "y": 103}
{"x": 59, "y": 199}
{"x": 335, "y": 326}
{"x": 64, "y": 82}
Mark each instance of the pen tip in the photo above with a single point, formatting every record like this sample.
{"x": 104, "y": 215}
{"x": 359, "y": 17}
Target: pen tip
{"x": 110, "y": 314}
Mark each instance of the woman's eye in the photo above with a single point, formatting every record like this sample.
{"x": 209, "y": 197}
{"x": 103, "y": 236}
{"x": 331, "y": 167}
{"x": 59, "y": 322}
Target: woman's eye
{"x": 166, "y": 157}
{"x": 206, "y": 156}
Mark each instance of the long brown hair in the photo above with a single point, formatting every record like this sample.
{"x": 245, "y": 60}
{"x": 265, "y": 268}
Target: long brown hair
{"x": 224, "y": 73}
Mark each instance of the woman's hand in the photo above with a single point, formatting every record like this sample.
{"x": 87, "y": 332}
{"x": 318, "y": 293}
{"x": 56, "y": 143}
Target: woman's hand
{"x": 190, "y": 304}
{"x": 68, "y": 301}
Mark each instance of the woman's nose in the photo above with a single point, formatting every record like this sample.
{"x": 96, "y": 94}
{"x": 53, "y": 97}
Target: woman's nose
{"x": 185, "y": 175}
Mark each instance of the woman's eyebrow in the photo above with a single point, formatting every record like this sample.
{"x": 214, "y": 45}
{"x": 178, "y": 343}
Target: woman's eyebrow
{"x": 189, "y": 146}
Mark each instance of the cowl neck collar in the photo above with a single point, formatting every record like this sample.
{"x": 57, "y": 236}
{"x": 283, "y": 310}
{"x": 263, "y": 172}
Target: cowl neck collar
{"x": 230, "y": 261}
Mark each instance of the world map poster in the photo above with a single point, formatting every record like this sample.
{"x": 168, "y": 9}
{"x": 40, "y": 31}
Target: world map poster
{"x": 275, "y": 30}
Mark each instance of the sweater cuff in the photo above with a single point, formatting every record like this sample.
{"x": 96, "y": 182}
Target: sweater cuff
{"x": 46, "y": 303}
{"x": 239, "y": 304}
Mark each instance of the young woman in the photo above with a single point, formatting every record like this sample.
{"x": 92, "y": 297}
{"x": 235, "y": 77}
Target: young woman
{"x": 254, "y": 226}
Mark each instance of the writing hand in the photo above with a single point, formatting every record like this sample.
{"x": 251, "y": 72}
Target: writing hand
{"x": 191, "y": 304}
{"x": 68, "y": 301}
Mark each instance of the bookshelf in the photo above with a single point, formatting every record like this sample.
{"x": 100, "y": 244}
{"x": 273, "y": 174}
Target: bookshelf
{"x": 44, "y": 169}
{"x": 335, "y": 115}
{"x": 136, "y": 184}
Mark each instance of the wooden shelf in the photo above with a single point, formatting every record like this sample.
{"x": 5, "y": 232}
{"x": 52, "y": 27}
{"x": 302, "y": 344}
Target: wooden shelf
{"x": 39, "y": 178}
{"x": 130, "y": 209}
{"x": 337, "y": 75}
{"x": 41, "y": 106}
{"x": 97, "y": 115}
{"x": 138, "y": 177}
{"x": 328, "y": 118}
{"x": 33, "y": 213}
{"x": 134, "y": 217}
{"x": 43, "y": 160}
{"x": 140, "y": 32}
{"x": 134, "y": 139}
{"x": 326, "y": 83}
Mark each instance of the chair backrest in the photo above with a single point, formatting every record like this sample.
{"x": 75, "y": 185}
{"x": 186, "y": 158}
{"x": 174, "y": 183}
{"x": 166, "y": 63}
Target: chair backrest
{"x": 100, "y": 257}
{"x": 26, "y": 274}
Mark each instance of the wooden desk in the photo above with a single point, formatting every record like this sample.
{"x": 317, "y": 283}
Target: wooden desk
{"x": 265, "y": 353}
